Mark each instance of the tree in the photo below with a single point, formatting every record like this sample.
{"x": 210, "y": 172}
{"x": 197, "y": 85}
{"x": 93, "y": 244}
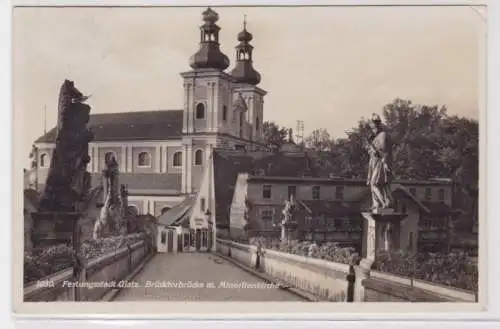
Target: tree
{"x": 274, "y": 135}
{"x": 427, "y": 144}
{"x": 319, "y": 140}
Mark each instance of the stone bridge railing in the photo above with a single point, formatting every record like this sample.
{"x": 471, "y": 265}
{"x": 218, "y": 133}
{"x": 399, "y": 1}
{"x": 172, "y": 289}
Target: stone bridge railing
{"x": 100, "y": 276}
{"x": 338, "y": 282}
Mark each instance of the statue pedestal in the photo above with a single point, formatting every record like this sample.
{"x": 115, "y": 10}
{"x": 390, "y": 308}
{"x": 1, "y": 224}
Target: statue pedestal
{"x": 50, "y": 228}
{"x": 382, "y": 232}
{"x": 288, "y": 231}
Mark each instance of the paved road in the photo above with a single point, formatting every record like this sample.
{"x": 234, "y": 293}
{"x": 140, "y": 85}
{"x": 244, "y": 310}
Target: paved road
{"x": 164, "y": 276}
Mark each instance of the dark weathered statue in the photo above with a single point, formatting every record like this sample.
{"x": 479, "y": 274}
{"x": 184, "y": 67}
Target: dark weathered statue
{"x": 68, "y": 182}
{"x": 380, "y": 173}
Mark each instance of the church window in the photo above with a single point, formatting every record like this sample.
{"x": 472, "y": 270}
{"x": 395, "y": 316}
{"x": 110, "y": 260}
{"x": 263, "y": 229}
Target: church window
{"x": 198, "y": 157}
{"x": 202, "y": 204}
{"x": 44, "y": 160}
{"x": 177, "y": 161}
{"x": 144, "y": 159}
{"x": 163, "y": 237}
{"x": 133, "y": 210}
{"x": 257, "y": 124}
{"x": 224, "y": 113}
{"x": 200, "y": 111}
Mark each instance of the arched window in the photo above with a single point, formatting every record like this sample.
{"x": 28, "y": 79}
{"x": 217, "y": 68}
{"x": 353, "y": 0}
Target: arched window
{"x": 224, "y": 113}
{"x": 44, "y": 160}
{"x": 177, "y": 160}
{"x": 198, "y": 157}
{"x": 144, "y": 159}
{"x": 133, "y": 210}
{"x": 200, "y": 111}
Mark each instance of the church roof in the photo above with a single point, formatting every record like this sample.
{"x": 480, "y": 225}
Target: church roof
{"x": 328, "y": 207}
{"x": 129, "y": 126}
{"x": 146, "y": 183}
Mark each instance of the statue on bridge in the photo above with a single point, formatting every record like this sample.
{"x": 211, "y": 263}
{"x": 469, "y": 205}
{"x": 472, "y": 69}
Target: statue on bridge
{"x": 112, "y": 210}
{"x": 288, "y": 210}
{"x": 288, "y": 224}
{"x": 380, "y": 172}
{"x": 68, "y": 182}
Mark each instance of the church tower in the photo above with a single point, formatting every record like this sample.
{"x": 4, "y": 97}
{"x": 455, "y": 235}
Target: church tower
{"x": 245, "y": 90}
{"x": 220, "y": 109}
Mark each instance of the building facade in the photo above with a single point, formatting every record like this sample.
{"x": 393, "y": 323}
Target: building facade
{"x": 246, "y": 193}
{"x": 162, "y": 154}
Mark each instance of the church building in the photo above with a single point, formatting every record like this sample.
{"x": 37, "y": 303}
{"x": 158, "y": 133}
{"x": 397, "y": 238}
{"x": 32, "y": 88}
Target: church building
{"x": 162, "y": 153}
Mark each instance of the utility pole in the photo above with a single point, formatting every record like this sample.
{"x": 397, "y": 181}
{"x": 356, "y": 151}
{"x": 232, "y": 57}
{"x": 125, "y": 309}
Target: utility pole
{"x": 299, "y": 132}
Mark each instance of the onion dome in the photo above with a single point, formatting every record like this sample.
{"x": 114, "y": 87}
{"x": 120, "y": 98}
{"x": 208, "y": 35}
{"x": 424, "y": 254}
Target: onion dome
{"x": 244, "y": 72}
{"x": 245, "y": 36}
{"x": 209, "y": 55}
{"x": 210, "y": 16}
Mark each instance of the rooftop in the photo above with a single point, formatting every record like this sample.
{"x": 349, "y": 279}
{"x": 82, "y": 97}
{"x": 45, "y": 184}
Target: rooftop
{"x": 129, "y": 126}
{"x": 229, "y": 163}
{"x": 150, "y": 184}
{"x": 177, "y": 213}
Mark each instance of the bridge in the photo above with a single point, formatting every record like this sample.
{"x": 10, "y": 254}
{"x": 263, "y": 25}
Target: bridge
{"x": 200, "y": 277}
{"x": 231, "y": 272}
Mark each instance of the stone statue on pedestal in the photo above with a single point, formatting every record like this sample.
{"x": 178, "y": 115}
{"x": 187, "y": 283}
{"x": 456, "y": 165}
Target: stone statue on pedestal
{"x": 380, "y": 173}
{"x": 112, "y": 209}
{"x": 68, "y": 182}
{"x": 288, "y": 223}
{"x": 288, "y": 210}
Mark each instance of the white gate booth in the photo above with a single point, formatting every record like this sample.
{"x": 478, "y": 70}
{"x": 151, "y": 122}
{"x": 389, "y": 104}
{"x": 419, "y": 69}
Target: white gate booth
{"x": 167, "y": 239}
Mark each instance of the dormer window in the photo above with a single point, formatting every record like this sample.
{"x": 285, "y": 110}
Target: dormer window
{"x": 44, "y": 160}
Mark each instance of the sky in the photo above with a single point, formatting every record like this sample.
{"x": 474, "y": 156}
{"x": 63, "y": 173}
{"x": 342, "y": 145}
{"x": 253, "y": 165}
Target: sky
{"x": 326, "y": 66}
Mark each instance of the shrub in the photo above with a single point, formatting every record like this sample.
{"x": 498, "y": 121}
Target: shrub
{"x": 41, "y": 262}
{"x": 455, "y": 269}
{"x": 328, "y": 251}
